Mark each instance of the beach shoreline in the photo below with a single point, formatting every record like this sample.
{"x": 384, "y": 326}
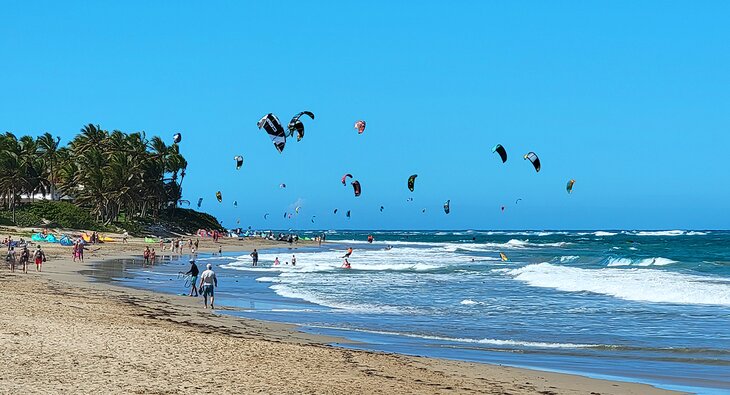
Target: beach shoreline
{"x": 91, "y": 337}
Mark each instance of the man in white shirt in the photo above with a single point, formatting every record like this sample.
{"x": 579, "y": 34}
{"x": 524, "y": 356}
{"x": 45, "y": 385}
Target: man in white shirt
{"x": 208, "y": 282}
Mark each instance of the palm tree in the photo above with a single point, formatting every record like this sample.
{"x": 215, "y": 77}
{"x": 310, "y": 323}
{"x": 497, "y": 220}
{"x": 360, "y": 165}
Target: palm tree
{"x": 48, "y": 147}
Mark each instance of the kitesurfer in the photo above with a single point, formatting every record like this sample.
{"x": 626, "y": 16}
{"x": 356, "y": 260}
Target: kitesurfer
{"x": 348, "y": 253}
{"x": 346, "y": 264}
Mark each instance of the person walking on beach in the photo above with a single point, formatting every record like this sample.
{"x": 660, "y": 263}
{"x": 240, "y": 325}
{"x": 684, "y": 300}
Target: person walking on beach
{"x": 125, "y": 236}
{"x": 146, "y": 255}
{"x": 11, "y": 259}
{"x": 80, "y": 250}
{"x": 255, "y": 257}
{"x": 24, "y": 257}
{"x": 197, "y": 241}
{"x": 152, "y": 257}
{"x": 40, "y": 257}
{"x": 208, "y": 282}
{"x": 193, "y": 272}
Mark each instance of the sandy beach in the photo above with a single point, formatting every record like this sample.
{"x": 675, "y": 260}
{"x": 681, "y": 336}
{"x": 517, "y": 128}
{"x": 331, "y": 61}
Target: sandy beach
{"x": 61, "y": 333}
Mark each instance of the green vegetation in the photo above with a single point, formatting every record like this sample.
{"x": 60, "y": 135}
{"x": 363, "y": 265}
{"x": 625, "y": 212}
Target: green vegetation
{"x": 112, "y": 178}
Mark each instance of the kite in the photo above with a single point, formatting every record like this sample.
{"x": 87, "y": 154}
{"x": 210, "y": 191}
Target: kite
{"x": 518, "y": 200}
{"x": 296, "y": 125}
{"x": 285, "y": 215}
{"x": 412, "y": 182}
{"x": 447, "y": 206}
{"x": 569, "y": 187}
{"x": 409, "y": 199}
{"x": 534, "y": 159}
{"x": 347, "y": 214}
{"x": 184, "y": 202}
{"x": 176, "y": 138}
{"x": 200, "y": 201}
{"x": 381, "y": 208}
{"x": 356, "y": 188}
{"x": 219, "y": 196}
{"x": 239, "y": 161}
{"x": 235, "y": 203}
{"x": 296, "y": 210}
{"x": 423, "y": 211}
{"x": 502, "y": 208}
{"x": 501, "y": 151}
{"x": 504, "y": 257}
{"x": 344, "y": 181}
{"x": 360, "y": 126}
{"x": 313, "y": 217}
{"x": 335, "y": 212}
{"x": 270, "y": 123}
{"x": 282, "y": 186}
{"x": 266, "y": 216}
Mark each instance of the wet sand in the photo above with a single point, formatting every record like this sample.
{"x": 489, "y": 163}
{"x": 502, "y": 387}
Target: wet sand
{"x": 61, "y": 333}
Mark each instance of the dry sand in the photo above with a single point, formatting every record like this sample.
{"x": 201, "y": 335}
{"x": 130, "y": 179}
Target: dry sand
{"x": 60, "y": 333}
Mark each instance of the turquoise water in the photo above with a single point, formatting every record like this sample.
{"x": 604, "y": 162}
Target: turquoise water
{"x": 642, "y": 306}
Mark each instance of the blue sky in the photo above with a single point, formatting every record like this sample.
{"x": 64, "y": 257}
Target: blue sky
{"x": 630, "y": 99}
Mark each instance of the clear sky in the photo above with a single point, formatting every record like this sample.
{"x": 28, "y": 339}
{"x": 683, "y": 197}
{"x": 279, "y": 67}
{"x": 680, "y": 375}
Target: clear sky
{"x": 631, "y": 99}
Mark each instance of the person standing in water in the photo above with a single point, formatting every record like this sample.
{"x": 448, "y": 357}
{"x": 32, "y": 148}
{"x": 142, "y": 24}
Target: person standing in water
{"x": 276, "y": 261}
{"x": 346, "y": 264}
{"x": 255, "y": 257}
{"x": 208, "y": 283}
{"x": 193, "y": 272}
{"x": 293, "y": 260}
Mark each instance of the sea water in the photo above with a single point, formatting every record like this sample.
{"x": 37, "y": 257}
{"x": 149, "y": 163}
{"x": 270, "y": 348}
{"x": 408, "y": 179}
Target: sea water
{"x": 647, "y": 306}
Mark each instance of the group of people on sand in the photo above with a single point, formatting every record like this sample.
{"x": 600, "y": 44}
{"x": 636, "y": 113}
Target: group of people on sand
{"x": 78, "y": 250}
{"x": 177, "y": 245}
{"x": 13, "y": 259}
{"x": 206, "y": 286}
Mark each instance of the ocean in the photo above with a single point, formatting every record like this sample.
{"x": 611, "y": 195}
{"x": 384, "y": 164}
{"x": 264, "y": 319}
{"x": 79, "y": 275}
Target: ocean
{"x": 645, "y": 306}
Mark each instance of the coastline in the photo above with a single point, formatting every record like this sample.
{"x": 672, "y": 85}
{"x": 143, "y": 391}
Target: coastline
{"x": 91, "y": 337}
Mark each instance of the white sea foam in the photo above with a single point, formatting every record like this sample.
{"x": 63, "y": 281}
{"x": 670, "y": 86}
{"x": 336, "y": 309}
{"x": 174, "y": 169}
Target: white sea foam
{"x": 287, "y": 291}
{"x": 493, "y": 342}
{"x": 657, "y": 261}
{"x": 469, "y": 302}
{"x": 568, "y": 258}
{"x": 601, "y": 233}
{"x": 660, "y": 233}
{"x": 645, "y": 285}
